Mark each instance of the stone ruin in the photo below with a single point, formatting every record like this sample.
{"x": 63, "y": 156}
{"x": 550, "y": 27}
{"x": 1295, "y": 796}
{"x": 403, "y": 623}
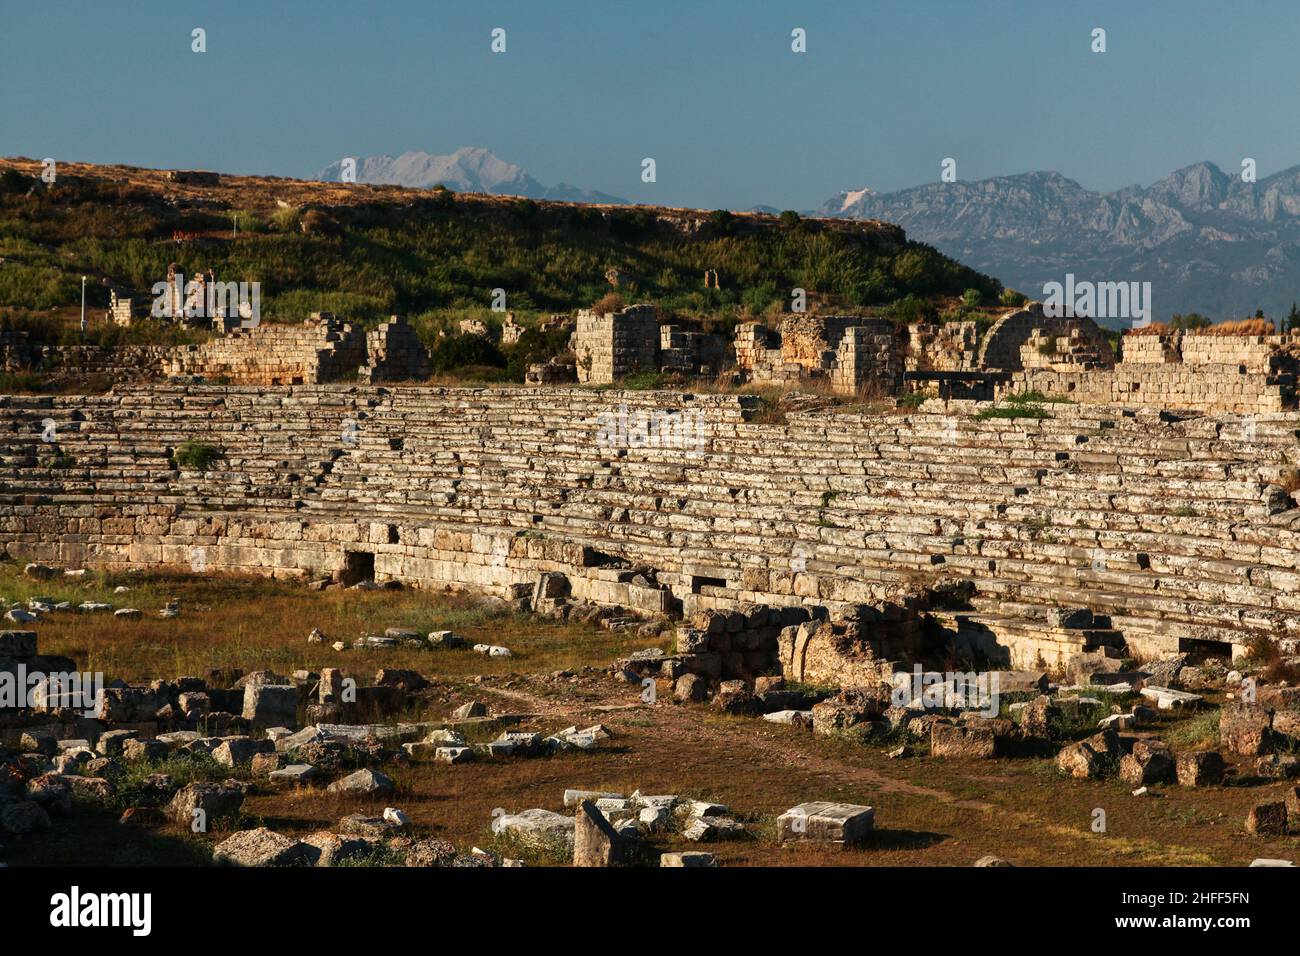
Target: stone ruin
{"x": 323, "y": 348}
{"x": 394, "y": 353}
{"x": 1174, "y": 532}
{"x": 1200, "y": 371}
{"x": 612, "y": 346}
{"x": 1026, "y": 351}
{"x": 853, "y": 353}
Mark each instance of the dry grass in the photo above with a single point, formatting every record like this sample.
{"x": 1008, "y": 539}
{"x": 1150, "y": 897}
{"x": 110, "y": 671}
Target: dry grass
{"x": 1155, "y": 328}
{"x": 255, "y": 623}
{"x": 1241, "y": 327}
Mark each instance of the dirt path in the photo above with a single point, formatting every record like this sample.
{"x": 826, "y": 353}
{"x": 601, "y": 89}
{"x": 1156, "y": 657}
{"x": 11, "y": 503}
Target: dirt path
{"x": 678, "y": 724}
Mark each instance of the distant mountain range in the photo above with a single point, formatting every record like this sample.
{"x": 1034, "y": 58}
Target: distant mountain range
{"x": 469, "y": 169}
{"x": 1207, "y": 241}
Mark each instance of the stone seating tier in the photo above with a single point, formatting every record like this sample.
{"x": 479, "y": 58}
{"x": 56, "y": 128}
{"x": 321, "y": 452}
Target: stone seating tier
{"x": 1173, "y": 527}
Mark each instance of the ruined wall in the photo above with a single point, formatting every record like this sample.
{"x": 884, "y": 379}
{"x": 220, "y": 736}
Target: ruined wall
{"x": 689, "y": 351}
{"x": 1210, "y": 373}
{"x": 1002, "y": 345}
{"x": 950, "y": 347}
{"x": 1174, "y": 529}
{"x": 320, "y": 349}
{"x": 617, "y": 344}
{"x": 811, "y": 340}
{"x": 1209, "y": 388}
{"x": 394, "y": 353}
{"x": 758, "y": 355}
{"x": 1071, "y": 347}
{"x": 121, "y": 363}
{"x": 868, "y": 361}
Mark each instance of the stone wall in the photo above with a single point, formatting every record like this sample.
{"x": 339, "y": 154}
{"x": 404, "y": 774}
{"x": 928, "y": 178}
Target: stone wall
{"x": 612, "y": 346}
{"x": 394, "y": 353}
{"x": 1183, "y": 371}
{"x": 812, "y": 340}
{"x": 950, "y": 347}
{"x": 321, "y": 349}
{"x": 1206, "y": 388}
{"x": 1069, "y": 347}
{"x": 1002, "y": 345}
{"x": 855, "y": 352}
{"x": 1174, "y": 529}
{"x": 121, "y": 363}
{"x": 1150, "y": 349}
{"x": 868, "y": 361}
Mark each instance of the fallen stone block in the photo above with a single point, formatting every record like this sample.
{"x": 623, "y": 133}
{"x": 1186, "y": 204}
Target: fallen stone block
{"x": 574, "y": 798}
{"x": 330, "y": 849}
{"x": 260, "y": 847}
{"x": 710, "y": 829}
{"x": 1245, "y": 728}
{"x": 822, "y": 822}
{"x": 364, "y": 782}
{"x": 536, "y": 827}
{"x": 1167, "y": 698}
{"x": 293, "y": 775}
{"x": 135, "y": 749}
{"x": 110, "y": 742}
{"x": 1091, "y": 758}
{"x": 690, "y": 688}
{"x": 233, "y": 751}
{"x": 792, "y": 718}
{"x": 362, "y": 825}
{"x": 690, "y": 858}
{"x": 1150, "y": 762}
{"x": 268, "y": 705}
{"x": 215, "y": 800}
{"x": 1267, "y": 819}
{"x": 1199, "y": 768}
{"x": 40, "y": 741}
{"x": 595, "y": 842}
{"x": 472, "y": 709}
{"x": 453, "y": 754}
{"x": 955, "y": 740}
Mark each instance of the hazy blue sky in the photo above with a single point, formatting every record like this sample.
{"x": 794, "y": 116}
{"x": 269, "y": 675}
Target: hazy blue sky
{"x": 712, "y": 91}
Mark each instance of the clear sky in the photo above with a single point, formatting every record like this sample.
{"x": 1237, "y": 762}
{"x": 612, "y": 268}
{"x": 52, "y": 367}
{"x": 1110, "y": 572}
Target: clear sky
{"x": 711, "y": 90}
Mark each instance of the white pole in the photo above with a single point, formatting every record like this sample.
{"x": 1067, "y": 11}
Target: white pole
{"x": 83, "y": 305}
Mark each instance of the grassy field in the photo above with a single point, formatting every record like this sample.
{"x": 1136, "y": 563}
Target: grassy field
{"x": 260, "y": 624}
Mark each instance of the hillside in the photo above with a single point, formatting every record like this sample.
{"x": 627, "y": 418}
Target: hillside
{"x": 367, "y": 251}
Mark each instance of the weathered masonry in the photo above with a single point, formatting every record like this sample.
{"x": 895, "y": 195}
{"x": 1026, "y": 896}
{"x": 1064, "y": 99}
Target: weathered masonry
{"x": 1177, "y": 531}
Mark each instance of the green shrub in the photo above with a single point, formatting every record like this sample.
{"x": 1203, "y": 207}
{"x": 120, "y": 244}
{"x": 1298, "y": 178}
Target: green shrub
{"x": 196, "y": 456}
{"x": 454, "y": 352}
